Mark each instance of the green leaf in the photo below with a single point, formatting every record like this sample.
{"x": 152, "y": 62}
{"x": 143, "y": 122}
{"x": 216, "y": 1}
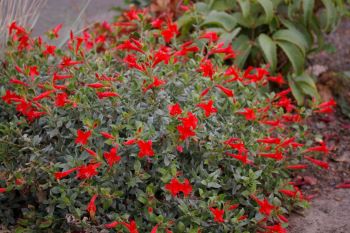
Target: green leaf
{"x": 297, "y": 93}
{"x": 227, "y": 37}
{"x": 308, "y": 8}
{"x": 330, "y": 15}
{"x": 269, "y": 49}
{"x": 268, "y": 8}
{"x": 245, "y": 7}
{"x": 292, "y": 36}
{"x": 294, "y": 55}
{"x": 303, "y": 85}
{"x": 221, "y": 19}
{"x": 243, "y": 47}
{"x": 221, "y": 5}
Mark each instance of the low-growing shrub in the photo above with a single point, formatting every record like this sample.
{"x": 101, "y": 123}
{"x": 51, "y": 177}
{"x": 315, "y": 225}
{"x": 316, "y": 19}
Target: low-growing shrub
{"x": 145, "y": 133}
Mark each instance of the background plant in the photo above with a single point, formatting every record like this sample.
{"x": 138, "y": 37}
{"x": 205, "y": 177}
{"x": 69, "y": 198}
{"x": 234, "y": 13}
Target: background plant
{"x": 279, "y": 33}
{"x": 144, "y": 129}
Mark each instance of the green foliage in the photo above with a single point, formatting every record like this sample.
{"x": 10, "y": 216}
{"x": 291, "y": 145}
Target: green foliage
{"x": 275, "y": 32}
{"x": 103, "y": 97}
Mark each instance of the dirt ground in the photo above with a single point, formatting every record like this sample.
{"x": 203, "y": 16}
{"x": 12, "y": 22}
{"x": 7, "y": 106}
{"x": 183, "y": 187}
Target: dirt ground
{"x": 330, "y": 207}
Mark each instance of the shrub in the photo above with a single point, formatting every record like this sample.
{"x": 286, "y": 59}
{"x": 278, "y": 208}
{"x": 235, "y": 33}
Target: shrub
{"x": 280, "y": 33}
{"x": 144, "y": 132}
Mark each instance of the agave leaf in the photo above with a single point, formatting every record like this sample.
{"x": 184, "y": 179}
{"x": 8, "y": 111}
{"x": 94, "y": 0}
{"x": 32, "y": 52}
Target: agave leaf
{"x": 292, "y": 36}
{"x": 269, "y": 49}
{"x": 245, "y": 7}
{"x": 330, "y": 15}
{"x": 268, "y": 8}
{"x": 294, "y": 55}
{"x": 308, "y": 8}
{"x": 221, "y": 19}
{"x": 243, "y": 47}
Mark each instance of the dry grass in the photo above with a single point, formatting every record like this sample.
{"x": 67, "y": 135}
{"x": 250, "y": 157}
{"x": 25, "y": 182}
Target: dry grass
{"x": 24, "y": 12}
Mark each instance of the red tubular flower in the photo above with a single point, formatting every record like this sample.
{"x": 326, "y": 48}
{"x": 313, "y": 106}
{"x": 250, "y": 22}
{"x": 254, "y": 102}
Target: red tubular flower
{"x": 95, "y": 85}
{"x": 190, "y": 121}
{"x": 277, "y": 79}
{"x": 326, "y": 107}
{"x": 276, "y": 156}
{"x": 9, "y": 97}
{"x": 91, "y": 208}
{"x": 82, "y": 137}
{"x": 157, "y": 23}
{"x": 211, "y": 36}
{"x": 225, "y": 90}
{"x": 60, "y": 175}
{"x": 155, "y": 229}
{"x": 61, "y": 77}
{"x": 319, "y": 163}
{"x": 265, "y": 206}
{"x": 129, "y": 46}
{"x": 43, "y": 95}
{"x": 185, "y": 132}
{"x": 145, "y": 148}
{"x": 243, "y": 158}
{"x": 205, "y": 91}
{"x": 2, "y": 190}
{"x": 207, "y": 68}
{"x": 343, "y": 186}
{"x": 61, "y": 99}
{"x": 284, "y": 219}
{"x": 107, "y": 135}
{"x": 208, "y": 108}
{"x": 106, "y": 94}
{"x": 87, "y": 171}
{"x": 297, "y": 166}
{"x": 156, "y": 83}
{"x": 170, "y": 31}
{"x": 248, "y": 114}
{"x": 91, "y": 152}
{"x": 112, "y": 157}
{"x": 174, "y": 109}
{"x": 19, "y": 82}
{"x": 56, "y": 30}
{"x": 228, "y": 51}
{"x": 233, "y": 207}
{"x": 269, "y": 140}
{"x": 175, "y": 187}
{"x": 50, "y": 50}
{"x": 218, "y": 214}
{"x": 131, "y": 226}
{"x": 323, "y": 148}
{"x": 276, "y": 229}
{"x": 112, "y": 225}
{"x": 288, "y": 193}
{"x": 33, "y": 71}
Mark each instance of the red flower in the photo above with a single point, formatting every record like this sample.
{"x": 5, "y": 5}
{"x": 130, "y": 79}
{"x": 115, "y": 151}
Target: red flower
{"x": 156, "y": 83}
{"x": 243, "y": 158}
{"x": 228, "y": 51}
{"x": 87, "y": 171}
{"x": 50, "y": 49}
{"x": 43, "y": 95}
{"x": 248, "y": 114}
{"x": 82, "y": 137}
{"x": 107, "y": 135}
{"x": 112, "y": 224}
{"x": 207, "y": 68}
{"x": 56, "y": 30}
{"x": 9, "y": 97}
{"x": 277, "y": 79}
{"x": 19, "y": 82}
{"x": 276, "y": 156}
{"x": 60, "y": 175}
{"x": 91, "y": 152}
{"x": 208, "y": 108}
{"x": 95, "y": 85}
{"x": 276, "y": 229}
{"x": 112, "y": 156}
{"x": 343, "y": 186}
{"x": 218, "y": 214}
{"x": 155, "y": 229}
{"x": 91, "y": 208}
{"x": 297, "y": 166}
{"x": 174, "y": 109}
{"x": 319, "y": 163}
{"x": 211, "y": 36}
{"x": 175, "y": 187}
{"x": 323, "y": 148}
{"x": 225, "y": 90}
{"x": 129, "y": 46}
{"x": 265, "y": 206}
{"x": 61, "y": 99}
{"x": 107, "y": 94}
{"x": 185, "y": 132}
{"x": 269, "y": 140}
{"x": 145, "y": 148}
{"x": 163, "y": 54}
{"x": 157, "y": 23}
{"x": 2, "y": 190}
{"x": 170, "y": 32}
{"x": 190, "y": 121}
